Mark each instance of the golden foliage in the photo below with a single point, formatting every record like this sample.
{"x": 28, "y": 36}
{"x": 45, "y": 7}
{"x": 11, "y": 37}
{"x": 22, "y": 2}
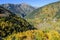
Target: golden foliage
{"x": 35, "y": 35}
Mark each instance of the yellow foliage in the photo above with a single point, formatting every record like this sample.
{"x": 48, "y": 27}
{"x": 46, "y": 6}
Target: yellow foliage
{"x": 35, "y": 35}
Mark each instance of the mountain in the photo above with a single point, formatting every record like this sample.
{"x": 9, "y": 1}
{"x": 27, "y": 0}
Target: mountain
{"x": 46, "y": 17}
{"x": 19, "y": 9}
{"x": 50, "y": 11}
{"x": 10, "y": 23}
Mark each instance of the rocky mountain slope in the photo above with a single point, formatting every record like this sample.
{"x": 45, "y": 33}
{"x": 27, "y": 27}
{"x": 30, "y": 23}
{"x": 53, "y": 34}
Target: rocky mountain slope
{"x": 20, "y": 9}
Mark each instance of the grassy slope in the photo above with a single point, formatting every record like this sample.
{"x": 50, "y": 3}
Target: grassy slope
{"x": 48, "y": 11}
{"x": 46, "y": 17}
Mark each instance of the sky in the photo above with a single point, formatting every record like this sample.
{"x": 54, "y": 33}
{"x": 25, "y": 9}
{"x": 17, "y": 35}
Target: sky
{"x": 35, "y": 3}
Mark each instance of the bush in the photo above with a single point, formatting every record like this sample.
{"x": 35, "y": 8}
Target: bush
{"x": 34, "y": 35}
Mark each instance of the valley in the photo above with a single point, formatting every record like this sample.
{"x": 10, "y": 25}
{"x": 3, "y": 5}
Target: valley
{"x": 25, "y": 22}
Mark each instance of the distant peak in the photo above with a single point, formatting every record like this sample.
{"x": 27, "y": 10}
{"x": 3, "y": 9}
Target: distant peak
{"x": 24, "y": 4}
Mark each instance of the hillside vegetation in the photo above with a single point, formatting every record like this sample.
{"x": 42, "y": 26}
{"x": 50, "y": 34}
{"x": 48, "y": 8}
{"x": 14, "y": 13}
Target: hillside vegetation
{"x": 35, "y": 35}
{"x": 46, "y": 16}
{"x": 10, "y": 23}
{"x": 49, "y": 11}
{"x": 44, "y": 24}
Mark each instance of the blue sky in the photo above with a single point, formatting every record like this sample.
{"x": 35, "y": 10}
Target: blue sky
{"x": 36, "y": 3}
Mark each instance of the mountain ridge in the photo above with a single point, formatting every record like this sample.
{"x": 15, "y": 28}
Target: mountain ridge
{"x": 44, "y": 8}
{"x": 19, "y": 9}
